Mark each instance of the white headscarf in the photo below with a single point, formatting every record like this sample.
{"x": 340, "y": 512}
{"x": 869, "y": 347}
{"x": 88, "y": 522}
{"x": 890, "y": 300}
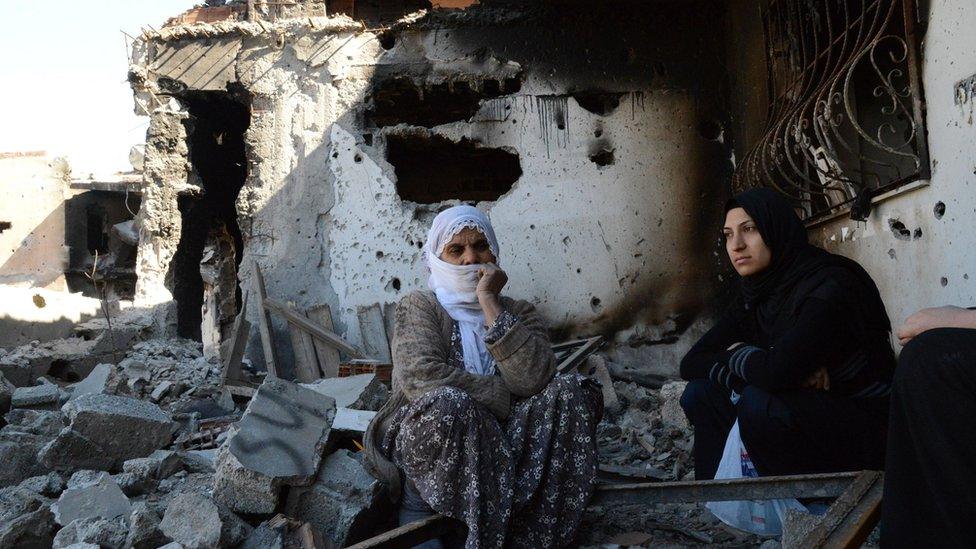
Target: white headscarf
{"x": 455, "y": 285}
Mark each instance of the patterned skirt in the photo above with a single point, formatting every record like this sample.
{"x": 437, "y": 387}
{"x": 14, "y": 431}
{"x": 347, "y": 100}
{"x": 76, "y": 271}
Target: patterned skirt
{"x": 524, "y": 482}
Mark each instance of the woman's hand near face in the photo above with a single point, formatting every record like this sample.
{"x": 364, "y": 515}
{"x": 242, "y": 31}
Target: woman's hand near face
{"x": 819, "y": 380}
{"x": 490, "y": 283}
{"x": 935, "y": 317}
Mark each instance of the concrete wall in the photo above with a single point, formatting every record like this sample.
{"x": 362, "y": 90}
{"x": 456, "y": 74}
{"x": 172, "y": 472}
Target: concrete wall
{"x": 32, "y": 194}
{"x": 625, "y": 249}
{"x": 939, "y": 267}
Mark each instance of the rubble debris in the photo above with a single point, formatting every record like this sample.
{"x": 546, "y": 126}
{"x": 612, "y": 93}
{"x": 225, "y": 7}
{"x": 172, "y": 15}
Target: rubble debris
{"x": 284, "y": 431}
{"x": 116, "y": 427}
{"x": 90, "y": 495}
{"x": 6, "y": 395}
{"x": 95, "y": 383}
{"x": 68, "y": 359}
{"x": 240, "y": 489}
{"x": 44, "y": 395}
{"x": 360, "y": 392}
{"x": 25, "y": 518}
{"x": 99, "y": 532}
{"x": 345, "y": 503}
{"x": 26, "y": 433}
{"x": 196, "y": 522}
{"x": 50, "y": 485}
{"x": 671, "y": 413}
{"x": 144, "y": 530}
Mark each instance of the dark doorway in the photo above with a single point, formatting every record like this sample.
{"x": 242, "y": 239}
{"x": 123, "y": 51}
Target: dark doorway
{"x": 219, "y": 121}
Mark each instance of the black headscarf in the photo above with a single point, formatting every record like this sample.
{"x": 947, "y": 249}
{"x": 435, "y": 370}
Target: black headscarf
{"x": 797, "y": 269}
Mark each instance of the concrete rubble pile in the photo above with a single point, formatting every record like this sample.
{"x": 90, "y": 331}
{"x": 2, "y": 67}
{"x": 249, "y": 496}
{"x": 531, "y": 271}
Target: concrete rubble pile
{"x": 105, "y": 460}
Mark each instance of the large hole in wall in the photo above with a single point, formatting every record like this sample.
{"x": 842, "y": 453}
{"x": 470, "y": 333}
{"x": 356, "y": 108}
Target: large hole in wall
{"x": 204, "y": 268}
{"x": 100, "y": 235}
{"x": 402, "y": 101}
{"x": 431, "y": 168}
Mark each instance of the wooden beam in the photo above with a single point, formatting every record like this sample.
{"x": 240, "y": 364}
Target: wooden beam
{"x": 315, "y": 330}
{"x": 577, "y": 357}
{"x": 850, "y": 520}
{"x": 372, "y": 326}
{"x": 238, "y": 342}
{"x": 327, "y": 354}
{"x": 306, "y": 362}
{"x": 264, "y": 324}
{"x": 410, "y": 534}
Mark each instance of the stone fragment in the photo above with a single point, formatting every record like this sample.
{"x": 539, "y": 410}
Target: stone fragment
{"x": 264, "y": 537}
{"x": 90, "y": 495}
{"x": 194, "y": 521}
{"x": 6, "y": 394}
{"x": 25, "y": 519}
{"x": 71, "y": 451}
{"x": 50, "y": 485}
{"x": 121, "y": 427}
{"x": 39, "y": 422}
{"x": 96, "y": 382}
{"x": 16, "y": 370}
{"x": 160, "y": 391}
{"x": 144, "y": 530}
{"x": 359, "y": 392}
{"x": 46, "y": 394}
{"x": 158, "y": 465}
{"x": 671, "y": 413}
{"x": 81, "y": 546}
{"x": 20, "y": 441}
{"x": 171, "y": 545}
{"x": 284, "y": 431}
{"x": 240, "y": 489}
{"x": 345, "y": 503}
{"x": 104, "y": 533}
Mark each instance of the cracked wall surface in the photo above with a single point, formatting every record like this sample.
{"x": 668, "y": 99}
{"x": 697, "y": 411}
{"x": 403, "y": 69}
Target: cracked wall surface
{"x": 607, "y": 229}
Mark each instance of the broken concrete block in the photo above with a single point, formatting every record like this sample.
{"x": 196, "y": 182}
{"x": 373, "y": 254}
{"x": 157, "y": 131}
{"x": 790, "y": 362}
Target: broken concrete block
{"x": 671, "y": 413}
{"x": 346, "y": 503}
{"x": 284, "y": 431}
{"x": 46, "y": 395}
{"x": 39, "y": 422}
{"x": 104, "y": 533}
{"x": 81, "y": 546}
{"x": 25, "y": 519}
{"x": 16, "y": 370}
{"x": 71, "y": 451}
{"x": 144, "y": 528}
{"x": 6, "y": 394}
{"x": 160, "y": 391}
{"x": 96, "y": 382}
{"x": 90, "y": 494}
{"x": 360, "y": 392}
{"x": 264, "y": 537}
{"x": 352, "y": 420}
{"x": 50, "y": 485}
{"x": 240, "y": 489}
{"x": 194, "y": 521}
{"x": 123, "y": 427}
{"x": 159, "y": 465}
{"x": 20, "y": 442}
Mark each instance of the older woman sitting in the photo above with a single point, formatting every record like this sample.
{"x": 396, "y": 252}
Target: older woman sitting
{"x": 478, "y": 425}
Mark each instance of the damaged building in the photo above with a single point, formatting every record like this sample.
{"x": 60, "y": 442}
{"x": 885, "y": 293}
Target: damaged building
{"x": 295, "y": 157}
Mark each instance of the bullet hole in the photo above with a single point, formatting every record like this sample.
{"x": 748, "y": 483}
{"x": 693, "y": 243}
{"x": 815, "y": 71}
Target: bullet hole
{"x": 420, "y": 245}
{"x": 4, "y": 225}
{"x": 710, "y": 130}
{"x": 899, "y": 230}
{"x": 595, "y": 304}
{"x": 396, "y": 284}
{"x": 560, "y": 120}
{"x": 379, "y": 253}
{"x": 387, "y": 40}
{"x": 39, "y": 301}
{"x": 357, "y": 158}
{"x": 532, "y": 227}
{"x": 965, "y": 276}
{"x": 432, "y": 168}
{"x": 918, "y": 233}
{"x": 602, "y": 158}
{"x": 368, "y": 139}
{"x": 598, "y": 102}
{"x": 891, "y": 253}
{"x": 939, "y": 209}
{"x": 598, "y": 133}
{"x": 401, "y": 100}
{"x": 578, "y": 271}
{"x": 335, "y": 154}
{"x": 944, "y": 281}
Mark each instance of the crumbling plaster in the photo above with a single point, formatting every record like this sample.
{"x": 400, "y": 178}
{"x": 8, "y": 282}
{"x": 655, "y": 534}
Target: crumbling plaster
{"x": 937, "y": 264}
{"x": 596, "y": 247}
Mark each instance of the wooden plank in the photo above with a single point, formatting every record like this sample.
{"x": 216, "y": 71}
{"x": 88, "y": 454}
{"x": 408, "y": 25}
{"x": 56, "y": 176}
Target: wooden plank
{"x": 602, "y": 374}
{"x": 327, "y": 354}
{"x": 306, "y": 362}
{"x": 372, "y": 326}
{"x": 314, "y": 329}
{"x": 389, "y": 318}
{"x": 850, "y": 519}
{"x": 237, "y": 344}
{"x": 411, "y": 534}
{"x": 240, "y": 390}
{"x": 264, "y": 324}
{"x": 579, "y": 355}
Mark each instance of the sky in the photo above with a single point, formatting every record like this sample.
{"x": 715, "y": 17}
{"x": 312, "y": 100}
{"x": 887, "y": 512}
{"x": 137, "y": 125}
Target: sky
{"x": 63, "y": 82}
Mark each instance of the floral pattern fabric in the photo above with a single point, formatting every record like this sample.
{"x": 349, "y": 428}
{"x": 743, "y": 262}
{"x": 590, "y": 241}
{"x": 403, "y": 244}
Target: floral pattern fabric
{"x": 522, "y": 482}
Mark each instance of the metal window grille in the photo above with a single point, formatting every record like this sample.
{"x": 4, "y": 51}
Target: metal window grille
{"x": 845, "y": 120}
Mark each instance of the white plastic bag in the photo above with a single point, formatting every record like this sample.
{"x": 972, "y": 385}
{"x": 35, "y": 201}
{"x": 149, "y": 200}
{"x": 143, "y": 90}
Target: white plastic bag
{"x": 764, "y": 517}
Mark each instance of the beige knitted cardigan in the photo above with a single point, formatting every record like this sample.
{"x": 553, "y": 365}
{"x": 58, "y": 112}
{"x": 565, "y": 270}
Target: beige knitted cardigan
{"x": 421, "y": 343}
